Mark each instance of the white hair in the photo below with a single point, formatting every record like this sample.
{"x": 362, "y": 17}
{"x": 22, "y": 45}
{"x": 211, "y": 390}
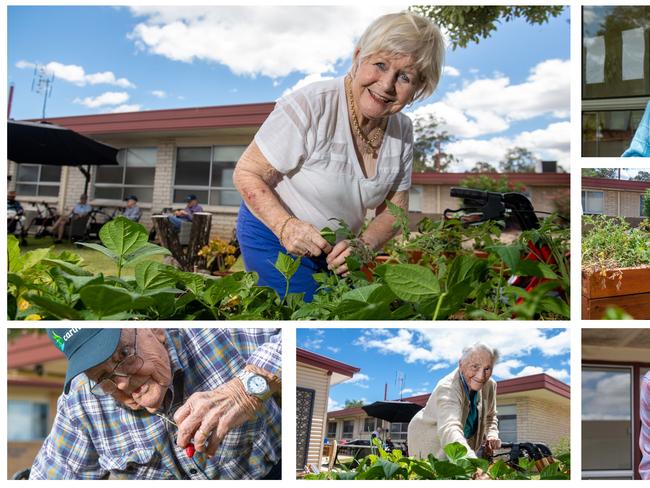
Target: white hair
{"x": 476, "y": 347}
{"x": 407, "y": 33}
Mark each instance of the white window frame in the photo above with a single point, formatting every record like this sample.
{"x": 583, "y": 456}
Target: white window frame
{"x": 585, "y": 202}
{"x": 37, "y": 182}
{"x": 124, "y": 152}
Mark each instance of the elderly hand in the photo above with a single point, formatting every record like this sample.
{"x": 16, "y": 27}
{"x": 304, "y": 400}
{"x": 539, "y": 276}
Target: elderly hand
{"x": 302, "y": 239}
{"x": 492, "y": 444}
{"x": 336, "y": 258}
{"x": 208, "y": 416}
{"x": 479, "y": 474}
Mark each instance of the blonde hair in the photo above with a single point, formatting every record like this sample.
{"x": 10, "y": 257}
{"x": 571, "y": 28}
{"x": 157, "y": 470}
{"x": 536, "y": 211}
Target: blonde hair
{"x": 406, "y": 33}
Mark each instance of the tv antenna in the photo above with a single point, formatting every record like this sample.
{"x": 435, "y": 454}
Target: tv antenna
{"x": 400, "y": 381}
{"x": 42, "y": 84}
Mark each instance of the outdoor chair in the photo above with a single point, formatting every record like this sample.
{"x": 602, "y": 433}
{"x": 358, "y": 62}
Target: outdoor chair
{"x": 184, "y": 233}
{"x": 76, "y": 228}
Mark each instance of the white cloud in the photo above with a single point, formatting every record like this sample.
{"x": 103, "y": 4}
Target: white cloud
{"x": 126, "y": 108}
{"x": 333, "y": 349}
{"x": 159, "y": 93}
{"x": 506, "y": 369}
{"x": 437, "y": 366}
{"x": 491, "y": 105}
{"x": 312, "y": 344}
{"x": 450, "y": 71}
{"x": 306, "y": 81}
{"x": 333, "y": 405}
{"x": 107, "y": 98}
{"x": 550, "y": 144}
{"x": 358, "y": 379}
{"x": 406, "y": 391}
{"x": 445, "y": 345}
{"x": 77, "y": 75}
{"x": 255, "y": 40}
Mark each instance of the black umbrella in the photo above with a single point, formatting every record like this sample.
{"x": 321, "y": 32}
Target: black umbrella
{"x": 43, "y": 143}
{"x": 393, "y": 411}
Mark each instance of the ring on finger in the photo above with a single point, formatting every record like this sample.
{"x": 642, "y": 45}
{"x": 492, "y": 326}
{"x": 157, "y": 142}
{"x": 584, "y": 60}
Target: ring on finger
{"x": 204, "y": 433}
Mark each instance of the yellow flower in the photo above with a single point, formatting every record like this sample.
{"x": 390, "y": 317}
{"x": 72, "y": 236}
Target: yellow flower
{"x": 33, "y": 316}
{"x": 23, "y": 304}
{"x": 230, "y": 260}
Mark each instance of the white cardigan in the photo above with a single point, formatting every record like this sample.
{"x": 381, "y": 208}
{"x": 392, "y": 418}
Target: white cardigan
{"x": 442, "y": 420}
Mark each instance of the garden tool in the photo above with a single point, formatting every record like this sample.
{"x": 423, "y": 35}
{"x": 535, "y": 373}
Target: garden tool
{"x": 189, "y": 449}
{"x": 510, "y": 453}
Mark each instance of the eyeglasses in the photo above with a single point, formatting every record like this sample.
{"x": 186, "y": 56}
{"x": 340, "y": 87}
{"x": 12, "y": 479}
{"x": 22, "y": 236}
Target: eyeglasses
{"x": 127, "y": 367}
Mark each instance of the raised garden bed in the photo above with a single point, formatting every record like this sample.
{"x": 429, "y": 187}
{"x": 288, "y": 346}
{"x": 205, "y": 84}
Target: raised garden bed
{"x": 627, "y": 288}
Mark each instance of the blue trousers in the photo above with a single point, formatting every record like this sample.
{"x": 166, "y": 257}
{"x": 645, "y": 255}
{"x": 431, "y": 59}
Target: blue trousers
{"x": 260, "y": 247}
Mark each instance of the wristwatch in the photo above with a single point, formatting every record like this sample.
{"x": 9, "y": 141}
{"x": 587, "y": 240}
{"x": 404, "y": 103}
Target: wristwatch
{"x": 254, "y": 384}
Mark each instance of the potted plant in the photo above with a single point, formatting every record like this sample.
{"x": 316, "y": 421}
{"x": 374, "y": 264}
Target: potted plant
{"x": 219, "y": 256}
{"x": 615, "y": 267}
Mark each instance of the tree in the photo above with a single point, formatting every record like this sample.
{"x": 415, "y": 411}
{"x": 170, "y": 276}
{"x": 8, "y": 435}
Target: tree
{"x": 518, "y": 160}
{"x": 354, "y": 403}
{"x": 611, "y": 173}
{"x": 470, "y": 23}
{"x": 428, "y": 154}
{"x": 646, "y": 203}
{"x": 642, "y": 176}
{"x": 483, "y": 167}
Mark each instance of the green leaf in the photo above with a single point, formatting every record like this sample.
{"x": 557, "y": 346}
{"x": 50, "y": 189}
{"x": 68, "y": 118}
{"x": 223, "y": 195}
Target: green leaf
{"x": 52, "y": 307}
{"x": 13, "y": 251}
{"x": 123, "y": 236}
{"x": 499, "y": 470}
{"x": 389, "y": 467}
{"x": 100, "y": 248}
{"x": 69, "y": 268}
{"x": 527, "y": 267}
{"x": 29, "y": 260}
{"x": 354, "y": 310}
{"x": 411, "y": 282}
{"x": 361, "y": 294}
{"x": 144, "y": 252}
{"x": 510, "y": 255}
{"x": 448, "y": 471}
{"x": 455, "y": 451}
{"x": 151, "y": 275}
{"x": 12, "y": 307}
{"x": 329, "y": 235}
{"x": 465, "y": 268}
{"x": 286, "y": 265}
{"x": 107, "y": 300}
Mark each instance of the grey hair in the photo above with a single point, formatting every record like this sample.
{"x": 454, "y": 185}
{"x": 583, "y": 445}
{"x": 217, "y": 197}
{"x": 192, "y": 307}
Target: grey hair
{"x": 410, "y": 34}
{"x": 479, "y": 346}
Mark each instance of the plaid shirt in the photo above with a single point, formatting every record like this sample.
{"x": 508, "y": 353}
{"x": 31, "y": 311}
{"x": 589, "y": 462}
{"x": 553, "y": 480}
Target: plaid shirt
{"x": 94, "y": 437}
{"x": 644, "y": 438}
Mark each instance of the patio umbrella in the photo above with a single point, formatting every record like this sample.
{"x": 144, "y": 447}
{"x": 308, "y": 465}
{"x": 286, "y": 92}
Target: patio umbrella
{"x": 43, "y": 143}
{"x": 393, "y": 411}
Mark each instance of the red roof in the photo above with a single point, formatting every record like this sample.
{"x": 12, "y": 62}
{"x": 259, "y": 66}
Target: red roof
{"x": 249, "y": 115}
{"x": 528, "y": 179}
{"x": 614, "y": 184}
{"x": 513, "y": 385}
{"x": 322, "y": 362}
{"x": 31, "y": 349}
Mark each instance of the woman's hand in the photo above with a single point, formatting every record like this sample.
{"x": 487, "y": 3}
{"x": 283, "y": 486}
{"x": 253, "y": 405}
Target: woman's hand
{"x": 492, "y": 443}
{"x": 302, "y": 239}
{"x": 207, "y": 417}
{"x": 336, "y": 258}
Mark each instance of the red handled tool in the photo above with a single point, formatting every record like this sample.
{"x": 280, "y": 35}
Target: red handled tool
{"x": 189, "y": 449}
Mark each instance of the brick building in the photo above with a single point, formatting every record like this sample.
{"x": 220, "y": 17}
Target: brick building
{"x": 531, "y": 408}
{"x": 167, "y": 154}
{"x": 606, "y": 196}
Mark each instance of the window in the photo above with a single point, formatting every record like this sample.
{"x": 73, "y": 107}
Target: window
{"x": 592, "y": 202}
{"x": 399, "y": 431}
{"x": 608, "y": 133}
{"x": 133, "y": 175}
{"x": 607, "y": 431}
{"x": 615, "y": 51}
{"x": 507, "y": 415}
{"x": 369, "y": 425}
{"x": 348, "y": 429}
{"x": 28, "y": 420}
{"x": 415, "y": 198}
{"x": 38, "y": 180}
{"x": 207, "y": 172}
{"x": 331, "y": 430}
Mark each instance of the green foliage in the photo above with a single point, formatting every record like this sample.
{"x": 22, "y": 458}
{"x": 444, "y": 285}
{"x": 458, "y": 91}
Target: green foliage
{"x": 484, "y": 182}
{"x": 428, "y": 154}
{"x": 642, "y": 176}
{"x": 616, "y": 313}
{"x": 125, "y": 242}
{"x": 395, "y": 466}
{"x": 465, "y": 24}
{"x": 610, "y": 173}
{"x": 610, "y": 243}
{"x": 646, "y": 203}
{"x": 353, "y": 403}
{"x": 518, "y": 160}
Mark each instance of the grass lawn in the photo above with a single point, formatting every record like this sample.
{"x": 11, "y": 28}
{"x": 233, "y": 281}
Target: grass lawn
{"x": 94, "y": 261}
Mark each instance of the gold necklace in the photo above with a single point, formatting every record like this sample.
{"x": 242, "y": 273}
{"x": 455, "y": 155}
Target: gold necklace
{"x": 368, "y": 145}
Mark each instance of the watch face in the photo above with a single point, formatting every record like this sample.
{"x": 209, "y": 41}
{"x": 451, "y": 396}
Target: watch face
{"x": 257, "y": 385}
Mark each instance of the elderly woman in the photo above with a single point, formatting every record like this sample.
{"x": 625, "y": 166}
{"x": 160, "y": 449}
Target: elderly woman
{"x": 462, "y": 408}
{"x": 644, "y": 438}
{"x": 640, "y": 146}
{"x": 333, "y": 150}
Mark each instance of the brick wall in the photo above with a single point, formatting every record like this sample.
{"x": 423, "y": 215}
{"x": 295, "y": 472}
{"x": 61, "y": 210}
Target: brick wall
{"x": 541, "y": 420}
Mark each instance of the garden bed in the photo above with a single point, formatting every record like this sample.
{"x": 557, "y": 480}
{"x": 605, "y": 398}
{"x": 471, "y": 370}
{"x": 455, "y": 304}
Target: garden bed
{"x": 627, "y": 288}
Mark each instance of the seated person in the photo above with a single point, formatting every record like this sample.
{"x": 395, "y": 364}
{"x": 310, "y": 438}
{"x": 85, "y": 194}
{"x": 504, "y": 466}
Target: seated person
{"x": 15, "y": 212}
{"x": 640, "y": 146}
{"x": 80, "y": 209}
{"x": 186, "y": 214}
{"x": 132, "y": 211}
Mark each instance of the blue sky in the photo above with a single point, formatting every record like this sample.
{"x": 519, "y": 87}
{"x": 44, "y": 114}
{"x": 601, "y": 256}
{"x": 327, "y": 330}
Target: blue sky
{"x": 423, "y": 356}
{"x": 510, "y": 90}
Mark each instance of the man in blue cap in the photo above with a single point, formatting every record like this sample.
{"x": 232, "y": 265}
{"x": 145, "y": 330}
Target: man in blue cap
{"x": 186, "y": 214}
{"x": 138, "y": 402}
{"x": 640, "y": 146}
{"x": 132, "y": 211}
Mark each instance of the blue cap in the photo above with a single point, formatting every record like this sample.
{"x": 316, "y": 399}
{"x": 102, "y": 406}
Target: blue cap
{"x": 131, "y": 197}
{"x": 190, "y": 197}
{"x": 84, "y": 348}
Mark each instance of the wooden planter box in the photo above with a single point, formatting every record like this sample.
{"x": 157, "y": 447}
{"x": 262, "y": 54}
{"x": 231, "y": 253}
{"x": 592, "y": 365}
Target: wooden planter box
{"x": 627, "y": 288}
